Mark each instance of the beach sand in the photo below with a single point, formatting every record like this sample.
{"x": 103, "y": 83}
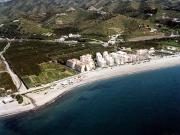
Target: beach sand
{"x": 49, "y": 95}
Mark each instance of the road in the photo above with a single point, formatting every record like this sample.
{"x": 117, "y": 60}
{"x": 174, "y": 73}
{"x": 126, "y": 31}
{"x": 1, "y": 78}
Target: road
{"x": 16, "y": 80}
{"x": 146, "y": 38}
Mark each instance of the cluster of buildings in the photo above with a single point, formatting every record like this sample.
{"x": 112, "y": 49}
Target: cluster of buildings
{"x": 174, "y": 34}
{"x": 121, "y": 58}
{"x": 99, "y": 11}
{"x": 7, "y": 100}
{"x": 62, "y": 39}
{"x": 177, "y": 20}
{"x": 86, "y": 63}
{"x": 113, "y": 40}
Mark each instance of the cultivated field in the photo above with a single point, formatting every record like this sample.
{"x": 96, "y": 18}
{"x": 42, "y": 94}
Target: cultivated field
{"x": 6, "y": 84}
{"x": 38, "y": 62}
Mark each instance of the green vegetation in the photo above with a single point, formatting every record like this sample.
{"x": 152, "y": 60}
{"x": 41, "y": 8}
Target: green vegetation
{"x": 43, "y": 62}
{"x": 6, "y": 85}
{"x": 29, "y": 26}
{"x": 43, "y": 16}
{"x": 2, "y": 66}
{"x": 174, "y": 43}
{"x": 157, "y": 44}
{"x": 49, "y": 72}
{"x": 39, "y": 62}
{"x": 2, "y": 45}
{"x": 19, "y": 99}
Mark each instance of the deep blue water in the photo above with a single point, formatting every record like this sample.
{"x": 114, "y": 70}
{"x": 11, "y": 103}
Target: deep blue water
{"x": 140, "y": 104}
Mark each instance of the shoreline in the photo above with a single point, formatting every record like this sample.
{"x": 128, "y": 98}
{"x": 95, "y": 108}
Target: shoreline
{"x": 53, "y": 94}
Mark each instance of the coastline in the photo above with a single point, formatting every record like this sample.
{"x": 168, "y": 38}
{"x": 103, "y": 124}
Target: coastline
{"x": 50, "y": 95}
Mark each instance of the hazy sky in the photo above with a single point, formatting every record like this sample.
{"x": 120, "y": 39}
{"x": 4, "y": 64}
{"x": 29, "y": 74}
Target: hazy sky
{"x": 4, "y": 0}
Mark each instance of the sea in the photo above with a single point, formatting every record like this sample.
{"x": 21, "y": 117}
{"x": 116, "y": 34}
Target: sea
{"x": 145, "y": 103}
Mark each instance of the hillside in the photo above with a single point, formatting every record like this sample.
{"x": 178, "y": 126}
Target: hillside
{"x": 89, "y": 17}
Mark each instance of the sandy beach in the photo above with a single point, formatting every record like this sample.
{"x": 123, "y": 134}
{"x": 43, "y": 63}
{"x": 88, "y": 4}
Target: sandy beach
{"x": 56, "y": 89}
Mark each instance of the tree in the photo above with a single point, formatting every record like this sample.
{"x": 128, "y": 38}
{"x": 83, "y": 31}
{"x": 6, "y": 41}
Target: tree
{"x": 19, "y": 98}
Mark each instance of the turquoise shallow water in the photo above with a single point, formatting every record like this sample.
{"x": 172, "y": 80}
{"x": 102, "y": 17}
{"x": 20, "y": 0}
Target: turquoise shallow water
{"x": 140, "y": 104}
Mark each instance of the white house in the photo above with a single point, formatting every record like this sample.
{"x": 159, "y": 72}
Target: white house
{"x": 113, "y": 39}
{"x": 153, "y": 30}
{"x": 151, "y": 51}
{"x": 74, "y": 35}
{"x": 7, "y": 100}
{"x": 61, "y": 40}
{"x": 71, "y": 9}
{"x": 64, "y": 83}
{"x": 92, "y": 8}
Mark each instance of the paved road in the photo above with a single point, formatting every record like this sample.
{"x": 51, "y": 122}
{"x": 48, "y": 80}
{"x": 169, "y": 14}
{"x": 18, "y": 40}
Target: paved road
{"x": 3, "y": 72}
{"x": 18, "y": 83}
{"x": 145, "y": 38}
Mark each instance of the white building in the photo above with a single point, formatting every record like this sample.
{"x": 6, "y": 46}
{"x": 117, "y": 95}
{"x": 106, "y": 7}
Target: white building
{"x": 7, "y": 100}
{"x": 131, "y": 58}
{"x": 142, "y": 51}
{"x": 86, "y": 58}
{"x": 71, "y": 9}
{"x": 143, "y": 54}
{"x": 171, "y": 48}
{"x": 85, "y": 63}
{"x": 88, "y": 61}
{"x": 80, "y": 67}
{"x": 121, "y": 53}
{"x": 153, "y": 30}
{"x": 72, "y": 63}
{"x": 100, "y": 60}
{"x": 151, "y": 51}
{"x": 92, "y": 8}
{"x": 116, "y": 58}
{"x": 105, "y": 54}
{"x": 61, "y": 40}
{"x": 113, "y": 39}
{"x": 109, "y": 60}
{"x": 64, "y": 83}
{"x": 74, "y": 35}
{"x": 123, "y": 57}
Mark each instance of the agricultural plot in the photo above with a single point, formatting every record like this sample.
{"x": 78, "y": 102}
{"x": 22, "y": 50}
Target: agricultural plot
{"x": 2, "y": 66}
{"x": 2, "y": 45}
{"x": 43, "y": 62}
{"x": 6, "y": 85}
{"x": 174, "y": 43}
{"x": 39, "y": 62}
{"x": 49, "y": 72}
